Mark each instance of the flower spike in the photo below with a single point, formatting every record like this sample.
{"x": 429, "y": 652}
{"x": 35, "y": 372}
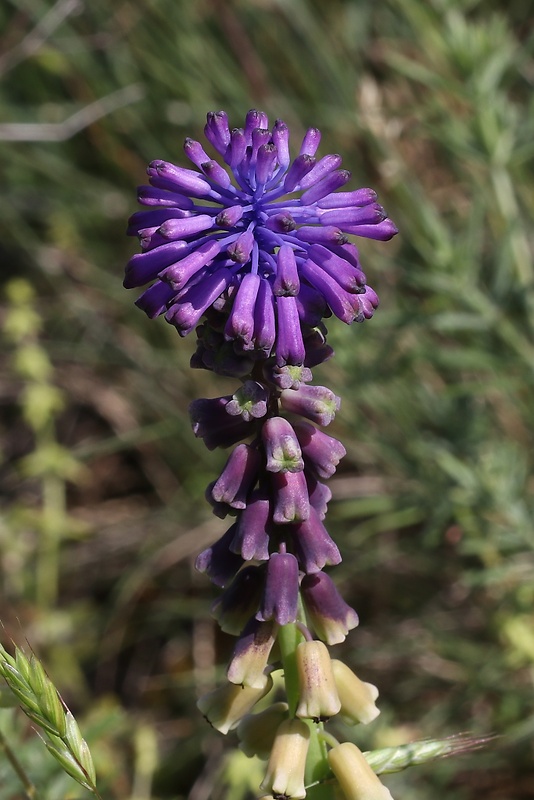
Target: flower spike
{"x": 253, "y": 251}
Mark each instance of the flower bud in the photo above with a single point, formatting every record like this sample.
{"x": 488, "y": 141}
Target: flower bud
{"x": 286, "y": 281}
{"x": 356, "y": 779}
{"x": 357, "y": 698}
{"x": 289, "y": 342}
{"x": 318, "y": 697}
{"x": 256, "y": 732}
{"x": 287, "y": 762}
{"x": 240, "y": 323}
{"x": 225, "y": 706}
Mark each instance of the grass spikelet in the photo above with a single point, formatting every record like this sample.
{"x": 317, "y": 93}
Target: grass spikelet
{"x": 41, "y": 702}
{"x": 395, "y": 759}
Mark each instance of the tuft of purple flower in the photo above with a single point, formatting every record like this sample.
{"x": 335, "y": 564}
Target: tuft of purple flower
{"x": 259, "y": 247}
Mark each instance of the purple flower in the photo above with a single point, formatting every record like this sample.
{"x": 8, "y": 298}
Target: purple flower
{"x": 281, "y": 591}
{"x": 267, "y": 233}
{"x": 249, "y": 402}
{"x": 239, "y": 474}
{"x": 240, "y": 600}
{"x": 313, "y": 545}
{"x": 319, "y": 494}
{"x": 281, "y": 446}
{"x": 214, "y": 422}
{"x": 219, "y": 562}
{"x": 291, "y": 501}
{"x": 252, "y": 529}
{"x": 316, "y": 403}
{"x": 322, "y": 453}
{"x": 327, "y": 612}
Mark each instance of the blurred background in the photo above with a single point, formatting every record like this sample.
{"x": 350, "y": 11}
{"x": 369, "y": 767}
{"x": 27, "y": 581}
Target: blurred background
{"x": 431, "y": 103}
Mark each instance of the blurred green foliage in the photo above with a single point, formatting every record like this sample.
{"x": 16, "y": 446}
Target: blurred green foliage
{"x": 430, "y": 103}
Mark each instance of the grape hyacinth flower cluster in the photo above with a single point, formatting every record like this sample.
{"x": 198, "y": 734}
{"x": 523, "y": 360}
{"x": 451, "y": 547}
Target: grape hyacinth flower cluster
{"x": 252, "y": 251}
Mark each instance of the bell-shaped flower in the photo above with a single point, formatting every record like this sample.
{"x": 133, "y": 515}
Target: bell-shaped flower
{"x": 287, "y": 762}
{"x": 253, "y": 528}
{"x": 281, "y": 445}
{"x": 240, "y": 600}
{"x": 317, "y": 403}
{"x": 256, "y": 732}
{"x": 281, "y": 591}
{"x": 321, "y": 452}
{"x": 318, "y": 697}
{"x": 291, "y": 501}
{"x": 355, "y": 777}
{"x": 218, "y": 561}
{"x": 251, "y": 654}
{"x": 328, "y": 614}
{"x": 239, "y": 474}
{"x": 357, "y": 697}
{"x": 313, "y": 545}
{"x": 226, "y": 706}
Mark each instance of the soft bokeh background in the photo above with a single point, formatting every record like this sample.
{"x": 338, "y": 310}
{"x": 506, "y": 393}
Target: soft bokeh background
{"x": 431, "y": 103}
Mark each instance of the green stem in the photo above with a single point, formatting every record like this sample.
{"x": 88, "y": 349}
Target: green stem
{"x": 317, "y": 768}
{"x": 289, "y": 637}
